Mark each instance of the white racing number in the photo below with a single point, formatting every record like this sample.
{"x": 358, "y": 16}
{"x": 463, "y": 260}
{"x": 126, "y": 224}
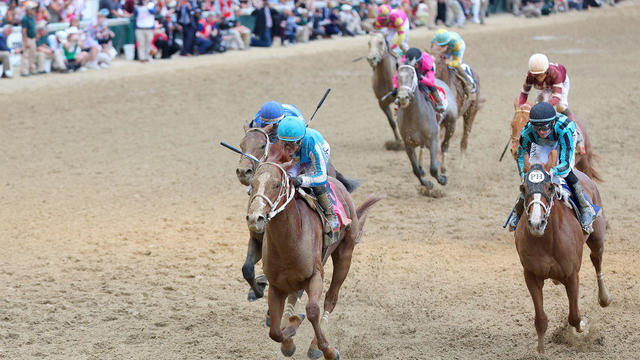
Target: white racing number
{"x": 536, "y": 177}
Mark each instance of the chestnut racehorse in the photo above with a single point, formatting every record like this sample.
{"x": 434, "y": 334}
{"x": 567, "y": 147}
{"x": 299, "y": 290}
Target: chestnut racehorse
{"x": 256, "y": 142}
{"x": 584, "y": 160}
{"x": 549, "y": 241}
{"x": 292, "y": 248}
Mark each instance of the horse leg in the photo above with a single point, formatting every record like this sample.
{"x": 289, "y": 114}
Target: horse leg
{"x": 596, "y": 245}
{"x": 434, "y": 167}
{"x": 254, "y": 254}
{"x": 535, "y": 289}
{"x": 417, "y": 169}
{"x": 469, "y": 117}
{"x": 449, "y": 128}
{"x": 314, "y": 291}
{"x": 276, "y": 308}
{"x": 387, "y": 111}
{"x": 572, "y": 286}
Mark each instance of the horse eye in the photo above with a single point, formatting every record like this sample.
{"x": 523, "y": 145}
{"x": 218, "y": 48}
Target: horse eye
{"x": 522, "y": 189}
{"x": 277, "y": 186}
{"x": 263, "y": 146}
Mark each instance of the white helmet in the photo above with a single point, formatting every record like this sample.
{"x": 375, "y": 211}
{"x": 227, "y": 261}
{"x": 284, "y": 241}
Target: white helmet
{"x": 538, "y": 64}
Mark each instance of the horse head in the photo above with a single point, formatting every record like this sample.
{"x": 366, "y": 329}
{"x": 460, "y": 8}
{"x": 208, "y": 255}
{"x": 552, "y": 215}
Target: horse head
{"x": 538, "y": 191}
{"x": 520, "y": 119}
{"x": 377, "y": 49}
{"x": 271, "y": 191}
{"x": 407, "y": 84}
{"x": 256, "y": 143}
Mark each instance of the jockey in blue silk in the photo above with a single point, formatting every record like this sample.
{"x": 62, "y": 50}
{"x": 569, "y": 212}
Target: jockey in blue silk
{"x": 453, "y": 46}
{"x": 310, "y": 154}
{"x": 547, "y": 131}
{"x": 272, "y": 112}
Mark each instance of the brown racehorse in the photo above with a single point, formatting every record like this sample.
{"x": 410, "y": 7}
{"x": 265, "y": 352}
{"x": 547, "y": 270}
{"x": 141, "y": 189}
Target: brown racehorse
{"x": 549, "y": 241}
{"x": 467, "y": 108}
{"x": 292, "y": 248}
{"x": 256, "y": 143}
{"x": 584, "y": 161}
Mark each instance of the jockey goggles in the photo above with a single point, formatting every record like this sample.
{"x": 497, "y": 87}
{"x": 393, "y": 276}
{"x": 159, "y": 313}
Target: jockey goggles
{"x": 544, "y": 126}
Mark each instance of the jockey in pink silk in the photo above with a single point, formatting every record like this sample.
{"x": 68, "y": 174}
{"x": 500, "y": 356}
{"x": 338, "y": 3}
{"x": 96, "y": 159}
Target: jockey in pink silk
{"x": 426, "y": 71}
{"x": 396, "y": 21}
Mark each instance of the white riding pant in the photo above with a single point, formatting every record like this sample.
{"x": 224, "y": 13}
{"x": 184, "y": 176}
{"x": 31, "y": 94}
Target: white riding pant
{"x": 564, "y": 101}
{"x": 392, "y": 33}
{"x": 539, "y": 154}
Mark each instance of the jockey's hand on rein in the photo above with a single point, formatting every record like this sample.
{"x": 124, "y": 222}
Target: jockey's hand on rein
{"x": 297, "y": 182}
{"x": 394, "y": 92}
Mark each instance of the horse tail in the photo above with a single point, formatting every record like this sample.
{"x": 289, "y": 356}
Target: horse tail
{"x": 362, "y": 212}
{"x": 349, "y": 184}
{"x": 592, "y": 158}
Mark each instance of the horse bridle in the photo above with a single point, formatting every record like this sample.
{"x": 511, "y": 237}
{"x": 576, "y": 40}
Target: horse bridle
{"x": 381, "y": 52}
{"x": 414, "y": 79}
{"x": 538, "y": 188}
{"x": 287, "y": 192}
{"x": 266, "y": 148}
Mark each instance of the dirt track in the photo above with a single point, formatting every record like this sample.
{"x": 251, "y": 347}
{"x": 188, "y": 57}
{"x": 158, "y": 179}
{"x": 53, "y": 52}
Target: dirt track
{"x": 122, "y": 227}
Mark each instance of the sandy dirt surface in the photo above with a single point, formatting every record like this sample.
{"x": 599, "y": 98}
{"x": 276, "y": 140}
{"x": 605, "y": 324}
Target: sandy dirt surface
{"x": 122, "y": 229}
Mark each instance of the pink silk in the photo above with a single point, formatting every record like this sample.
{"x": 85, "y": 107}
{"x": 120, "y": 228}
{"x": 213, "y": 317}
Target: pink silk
{"x": 426, "y": 70}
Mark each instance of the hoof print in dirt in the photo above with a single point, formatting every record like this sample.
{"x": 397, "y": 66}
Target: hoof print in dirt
{"x": 433, "y": 193}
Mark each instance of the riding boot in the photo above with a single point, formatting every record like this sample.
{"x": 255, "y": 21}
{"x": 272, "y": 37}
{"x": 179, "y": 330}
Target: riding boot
{"x": 436, "y": 98}
{"x": 517, "y": 212}
{"x": 587, "y": 213}
{"x": 332, "y": 220}
{"x": 465, "y": 82}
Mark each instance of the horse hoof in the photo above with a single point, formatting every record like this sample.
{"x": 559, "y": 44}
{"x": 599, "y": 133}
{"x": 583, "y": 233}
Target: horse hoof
{"x": 581, "y": 326}
{"x": 606, "y": 303}
{"x": 442, "y": 180}
{"x": 314, "y": 354}
{"x": 288, "y": 352}
{"x": 421, "y": 171}
{"x": 337, "y": 357}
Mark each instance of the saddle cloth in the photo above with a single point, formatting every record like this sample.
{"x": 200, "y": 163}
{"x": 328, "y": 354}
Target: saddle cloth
{"x": 338, "y": 208}
{"x": 443, "y": 97}
{"x": 472, "y": 80}
{"x": 566, "y": 195}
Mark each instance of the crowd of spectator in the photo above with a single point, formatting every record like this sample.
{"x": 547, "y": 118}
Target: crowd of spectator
{"x": 197, "y": 27}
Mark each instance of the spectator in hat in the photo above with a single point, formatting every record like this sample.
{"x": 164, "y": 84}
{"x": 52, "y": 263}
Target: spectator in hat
{"x": 5, "y": 52}
{"x": 28, "y": 66}
{"x": 44, "y": 51}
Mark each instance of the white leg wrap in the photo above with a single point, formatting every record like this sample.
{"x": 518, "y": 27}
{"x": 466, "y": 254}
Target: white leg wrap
{"x": 289, "y": 310}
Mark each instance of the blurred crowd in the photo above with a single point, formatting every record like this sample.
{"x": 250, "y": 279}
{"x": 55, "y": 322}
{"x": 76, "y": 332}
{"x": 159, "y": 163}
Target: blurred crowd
{"x": 198, "y": 27}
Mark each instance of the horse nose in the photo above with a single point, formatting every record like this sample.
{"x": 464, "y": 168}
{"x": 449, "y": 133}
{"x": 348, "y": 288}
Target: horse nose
{"x": 256, "y": 222}
{"x": 244, "y": 175}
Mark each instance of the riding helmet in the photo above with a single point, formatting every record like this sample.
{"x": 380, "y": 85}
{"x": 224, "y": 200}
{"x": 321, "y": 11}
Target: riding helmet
{"x": 413, "y": 56}
{"x": 542, "y": 113}
{"x": 291, "y": 128}
{"x": 442, "y": 37}
{"x": 538, "y": 64}
{"x": 271, "y": 112}
{"x": 384, "y": 10}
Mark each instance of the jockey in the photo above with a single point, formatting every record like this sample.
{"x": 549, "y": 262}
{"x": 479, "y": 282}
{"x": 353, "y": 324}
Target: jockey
{"x": 453, "y": 45}
{"x": 271, "y": 113}
{"x": 310, "y": 154}
{"x": 425, "y": 69}
{"x": 546, "y": 131}
{"x": 547, "y": 77}
{"x": 396, "y": 21}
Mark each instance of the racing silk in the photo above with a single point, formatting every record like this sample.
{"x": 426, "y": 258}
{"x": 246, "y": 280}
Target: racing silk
{"x": 426, "y": 71}
{"x": 397, "y": 23}
{"x": 455, "y": 48}
{"x": 312, "y": 158}
{"x": 556, "y": 75}
{"x": 289, "y": 110}
{"x": 561, "y": 136}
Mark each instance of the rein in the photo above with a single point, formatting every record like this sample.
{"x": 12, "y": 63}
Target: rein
{"x": 266, "y": 148}
{"x": 287, "y": 192}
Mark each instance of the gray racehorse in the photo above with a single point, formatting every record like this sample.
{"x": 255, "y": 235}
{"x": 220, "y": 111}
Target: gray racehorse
{"x": 419, "y": 126}
{"x": 384, "y": 66}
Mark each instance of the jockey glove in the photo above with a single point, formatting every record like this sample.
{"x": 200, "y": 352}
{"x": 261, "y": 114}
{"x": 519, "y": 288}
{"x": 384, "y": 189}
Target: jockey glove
{"x": 523, "y": 98}
{"x": 394, "y": 92}
{"x": 298, "y": 182}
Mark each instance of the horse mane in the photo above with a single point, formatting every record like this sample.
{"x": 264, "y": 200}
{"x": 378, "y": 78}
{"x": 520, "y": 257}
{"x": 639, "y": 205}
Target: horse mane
{"x": 277, "y": 154}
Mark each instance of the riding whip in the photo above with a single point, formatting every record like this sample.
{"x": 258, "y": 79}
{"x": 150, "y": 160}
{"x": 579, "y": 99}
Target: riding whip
{"x": 250, "y": 157}
{"x": 505, "y": 149}
{"x": 357, "y": 59}
{"x": 319, "y": 104}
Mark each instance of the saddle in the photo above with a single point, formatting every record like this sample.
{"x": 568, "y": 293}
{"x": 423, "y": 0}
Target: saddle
{"x": 469, "y": 75}
{"x": 564, "y": 194}
{"x": 345, "y": 223}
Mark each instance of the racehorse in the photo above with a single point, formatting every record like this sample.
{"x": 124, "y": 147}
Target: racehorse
{"x": 419, "y": 126}
{"x": 256, "y": 142}
{"x": 292, "y": 249}
{"x": 468, "y": 108}
{"x": 584, "y": 160}
{"x": 384, "y": 65}
{"x": 549, "y": 241}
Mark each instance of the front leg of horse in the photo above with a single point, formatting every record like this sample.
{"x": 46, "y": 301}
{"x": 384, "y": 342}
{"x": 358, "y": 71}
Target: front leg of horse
{"x": 575, "y": 320}
{"x": 397, "y": 144}
{"x": 276, "y": 309}
{"x": 417, "y": 169}
{"x": 314, "y": 291}
{"x": 447, "y": 132}
{"x": 434, "y": 167}
{"x": 535, "y": 289}
{"x": 596, "y": 245}
{"x": 254, "y": 254}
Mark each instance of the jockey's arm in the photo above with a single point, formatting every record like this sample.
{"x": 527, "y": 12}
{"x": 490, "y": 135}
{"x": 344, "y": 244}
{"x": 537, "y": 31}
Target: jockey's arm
{"x": 318, "y": 166}
{"x": 523, "y": 148}
{"x": 526, "y": 87}
{"x": 398, "y": 26}
{"x": 556, "y": 90}
{"x": 565, "y": 152}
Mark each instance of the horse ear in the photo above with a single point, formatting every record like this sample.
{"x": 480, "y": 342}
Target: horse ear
{"x": 246, "y": 126}
{"x": 268, "y": 128}
{"x": 516, "y": 104}
{"x": 287, "y": 165}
